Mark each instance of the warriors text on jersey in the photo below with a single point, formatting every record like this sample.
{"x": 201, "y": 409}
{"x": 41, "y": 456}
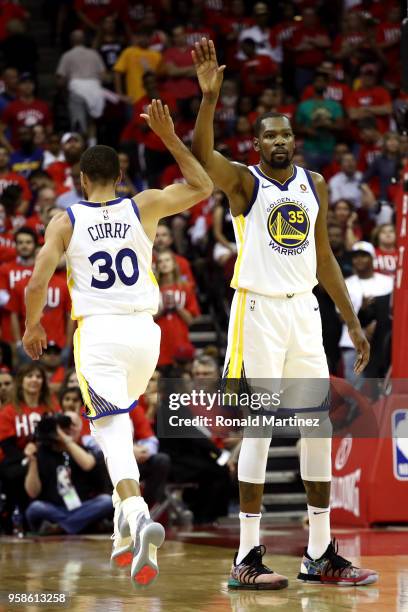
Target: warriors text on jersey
{"x": 275, "y": 237}
{"x": 109, "y": 260}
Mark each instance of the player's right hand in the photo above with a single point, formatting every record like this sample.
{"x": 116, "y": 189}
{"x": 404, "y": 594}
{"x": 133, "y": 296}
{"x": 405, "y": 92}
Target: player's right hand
{"x": 209, "y": 74}
{"x": 34, "y": 341}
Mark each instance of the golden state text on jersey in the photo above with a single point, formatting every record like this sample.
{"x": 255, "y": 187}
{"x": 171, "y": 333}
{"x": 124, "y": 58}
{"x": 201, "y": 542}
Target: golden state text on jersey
{"x": 276, "y": 236}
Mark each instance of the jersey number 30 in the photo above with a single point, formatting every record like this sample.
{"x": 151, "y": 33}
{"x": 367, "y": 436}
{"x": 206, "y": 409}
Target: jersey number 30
{"x": 104, "y": 262}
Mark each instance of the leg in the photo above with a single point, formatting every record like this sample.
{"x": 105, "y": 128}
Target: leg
{"x": 90, "y": 511}
{"x": 39, "y": 511}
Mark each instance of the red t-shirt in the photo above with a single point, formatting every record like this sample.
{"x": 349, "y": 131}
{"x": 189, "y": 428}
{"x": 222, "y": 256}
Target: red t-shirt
{"x": 180, "y": 87}
{"x": 367, "y": 154}
{"x": 136, "y": 128}
{"x": 229, "y": 26}
{"x": 354, "y": 38}
{"x": 56, "y": 309}
{"x": 195, "y": 34}
{"x": 375, "y": 96}
{"x": 312, "y": 57}
{"x": 240, "y": 147}
{"x": 11, "y": 275}
{"x": 385, "y": 262}
{"x": 389, "y": 32}
{"x": 60, "y": 172}
{"x": 174, "y": 329}
{"x": 23, "y": 425}
{"x": 141, "y": 425}
{"x": 260, "y": 66}
{"x": 12, "y": 178}
{"x": 7, "y": 247}
{"x": 9, "y": 11}
{"x": 19, "y": 113}
{"x": 97, "y": 10}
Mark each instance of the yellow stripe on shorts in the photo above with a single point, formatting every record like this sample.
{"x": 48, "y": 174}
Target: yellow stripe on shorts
{"x": 237, "y": 348}
{"x": 82, "y": 381}
{"x": 153, "y": 278}
{"x": 70, "y": 284}
{"x": 240, "y": 225}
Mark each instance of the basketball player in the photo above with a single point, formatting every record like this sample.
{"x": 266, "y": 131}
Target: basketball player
{"x": 108, "y": 246}
{"x": 279, "y": 214}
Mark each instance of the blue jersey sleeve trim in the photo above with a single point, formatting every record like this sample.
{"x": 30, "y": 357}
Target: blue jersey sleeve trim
{"x": 312, "y": 185}
{"x": 135, "y": 208}
{"x": 254, "y": 196}
{"x": 71, "y": 215}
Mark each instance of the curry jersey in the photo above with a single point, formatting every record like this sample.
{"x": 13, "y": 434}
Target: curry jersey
{"x": 109, "y": 260}
{"x": 275, "y": 237}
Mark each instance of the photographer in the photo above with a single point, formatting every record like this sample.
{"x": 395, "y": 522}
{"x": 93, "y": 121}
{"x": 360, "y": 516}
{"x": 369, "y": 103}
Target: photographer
{"x": 67, "y": 478}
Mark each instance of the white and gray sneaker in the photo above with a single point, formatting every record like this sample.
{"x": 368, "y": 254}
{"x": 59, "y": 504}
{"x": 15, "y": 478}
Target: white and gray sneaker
{"x": 149, "y": 537}
{"x": 122, "y": 547}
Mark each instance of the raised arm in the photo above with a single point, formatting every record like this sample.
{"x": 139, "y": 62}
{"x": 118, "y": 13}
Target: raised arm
{"x": 234, "y": 179}
{"x": 331, "y": 278}
{"x": 57, "y": 238}
{"x": 154, "y": 204}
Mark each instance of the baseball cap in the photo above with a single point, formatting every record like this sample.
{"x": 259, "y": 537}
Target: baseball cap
{"x": 363, "y": 247}
{"x": 70, "y": 136}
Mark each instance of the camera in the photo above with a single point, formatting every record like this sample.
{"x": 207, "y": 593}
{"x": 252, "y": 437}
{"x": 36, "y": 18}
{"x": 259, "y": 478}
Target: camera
{"x": 46, "y": 430}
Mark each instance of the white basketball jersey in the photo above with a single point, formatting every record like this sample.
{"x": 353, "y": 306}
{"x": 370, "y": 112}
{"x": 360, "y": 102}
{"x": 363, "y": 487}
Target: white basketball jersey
{"x": 109, "y": 260}
{"x": 276, "y": 236}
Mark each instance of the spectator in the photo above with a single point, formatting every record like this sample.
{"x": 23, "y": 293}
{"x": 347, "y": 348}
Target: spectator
{"x": 18, "y": 420}
{"x": 28, "y": 157}
{"x": 154, "y": 466}
{"x": 257, "y": 70}
{"x": 9, "y": 178}
{"x": 20, "y": 49}
{"x": 7, "y": 242}
{"x": 38, "y": 220}
{"x": 335, "y": 90}
{"x": 241, "y": 144}
{"x": 346, "y": 184}
{"x": 177, "y": 309}
{"x": 260, "y": 33}
{"x": 350, "y": 39}
{"x": 75, "y": 193}
{"x": 338, "y": 246}
{"x": 372, "y": 143}
{"x": 133, "y": 62}
{"x": 319, "y": 120}
{"x": 66, "y": 480}
{"x": 9, "y": 78}
{"x": 163, "y": 242}
{"x": 91, "y": 13}
{"x": 310, "y": 41}
{"x": 81, "y": 70}
{"x": 14, "y": 272}
{"x": 70, "y": 400}
{"x": 386, "y": 253}
{"x": 370, "y": 100}
{"x": 52, "y": 152}
{"x": 71, "y": 379}
{"x": 346, "y": 217}
{"x": 177, "y": 68}
{"x": 51, "y": 360}
{"x": 6, "y": 387}
{"x": 363, "y": 286}
{"x": 25, "y": 110}
{"x": 10, "y": 10}
{"x": 223, "y": 230}
{"x": 60, "y": 171}
{"x": 272, "y": 100}
{"x": 385, "y": 166}
{"x": 388, "y": 37}
{"x": 231, "y": 23}
{"x": 109, "y": 45}
{"x": 125, "y": 188}
{"x": 340, "y": 149}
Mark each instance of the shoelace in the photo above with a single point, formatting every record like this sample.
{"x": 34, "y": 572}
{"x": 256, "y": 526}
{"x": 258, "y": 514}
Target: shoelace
{"x": 254, "y": 566}
{"x": 337, "y": 562}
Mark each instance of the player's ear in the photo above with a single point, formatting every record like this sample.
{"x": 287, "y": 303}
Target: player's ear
{"x": 255, "y": 142}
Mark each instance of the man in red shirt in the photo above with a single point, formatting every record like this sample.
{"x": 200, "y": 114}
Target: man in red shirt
{"x": 38, "y": 220}
{"x": 92, "y": 12}
{"x": 163, "y": 242}
{"x": 335, "y": 90}
{"x": 8, "y": 11}
{"x": 73, "y": 146}
{"x": 178, "y": 67}
{"x": 7, "y": 178}
{"x": 257, "y": 70}
{"x": 370, "y": 100}
{"x": 26, "y": 110}
{"x": 14, "y": 273}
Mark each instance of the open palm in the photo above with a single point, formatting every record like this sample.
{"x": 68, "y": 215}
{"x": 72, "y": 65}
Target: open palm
{"x": 208, "y": 72}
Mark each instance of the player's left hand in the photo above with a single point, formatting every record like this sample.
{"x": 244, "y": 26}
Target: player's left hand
{"x": 362, "y": 347}
{"x": 35, "y": 341}
{"x": 158, "y": 118}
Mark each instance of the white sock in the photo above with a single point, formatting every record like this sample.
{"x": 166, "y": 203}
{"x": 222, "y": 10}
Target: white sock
{"x": 249, "y": 533}
{"x": 319, "y": 531}
{"x": 132, "y": 506}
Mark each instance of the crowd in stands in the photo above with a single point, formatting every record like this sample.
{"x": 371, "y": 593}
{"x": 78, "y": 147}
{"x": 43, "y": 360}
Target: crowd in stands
{"x": 332, "y": 66}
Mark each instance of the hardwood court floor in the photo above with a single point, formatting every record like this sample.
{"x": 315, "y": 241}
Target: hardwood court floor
{"x": 192, "y": 578}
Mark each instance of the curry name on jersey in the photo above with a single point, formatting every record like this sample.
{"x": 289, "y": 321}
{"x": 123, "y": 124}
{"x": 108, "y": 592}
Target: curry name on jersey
{"x": 109, "y": 260}
{"x": 276, "y": 236}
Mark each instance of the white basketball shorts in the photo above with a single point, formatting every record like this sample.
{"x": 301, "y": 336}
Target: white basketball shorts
{"x": 115, "y": 357}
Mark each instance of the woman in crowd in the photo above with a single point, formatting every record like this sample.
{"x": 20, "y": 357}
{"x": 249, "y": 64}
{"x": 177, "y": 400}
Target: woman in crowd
{"x": 177, "y": 310}
{"x": 347, "y": 218}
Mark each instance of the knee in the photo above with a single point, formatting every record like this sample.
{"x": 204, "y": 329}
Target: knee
{"x": 35, "y": 507}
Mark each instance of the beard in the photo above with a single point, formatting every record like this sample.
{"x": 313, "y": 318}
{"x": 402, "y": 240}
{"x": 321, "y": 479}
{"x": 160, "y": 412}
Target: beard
{"x": 280, "y": 164}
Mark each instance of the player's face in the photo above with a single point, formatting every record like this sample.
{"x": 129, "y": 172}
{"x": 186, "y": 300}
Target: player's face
{"x": 25, "y": 246}
{"x": 276, "y": 142}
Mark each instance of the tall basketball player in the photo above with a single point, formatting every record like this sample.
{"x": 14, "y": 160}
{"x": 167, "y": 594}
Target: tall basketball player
{"x": 279, "y": 213}
{"x": 108, "y": 245}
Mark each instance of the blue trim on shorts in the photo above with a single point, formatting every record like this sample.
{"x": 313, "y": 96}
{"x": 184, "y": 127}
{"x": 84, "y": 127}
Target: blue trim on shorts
{"x": 312, "y": 185}
{"x": 71, "y": 215}
{"x": 254, "y": 196}
{"x": 135, "y": 208}
{"x": 104, "y": 408}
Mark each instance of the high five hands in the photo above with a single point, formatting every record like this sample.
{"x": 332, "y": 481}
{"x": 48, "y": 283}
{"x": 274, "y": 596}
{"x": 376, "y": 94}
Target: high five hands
{"x": 209, "y": 73}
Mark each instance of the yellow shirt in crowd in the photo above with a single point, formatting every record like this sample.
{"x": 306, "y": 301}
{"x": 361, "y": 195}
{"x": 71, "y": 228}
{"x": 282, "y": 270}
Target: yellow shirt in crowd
{"x": 134, "y": 62}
